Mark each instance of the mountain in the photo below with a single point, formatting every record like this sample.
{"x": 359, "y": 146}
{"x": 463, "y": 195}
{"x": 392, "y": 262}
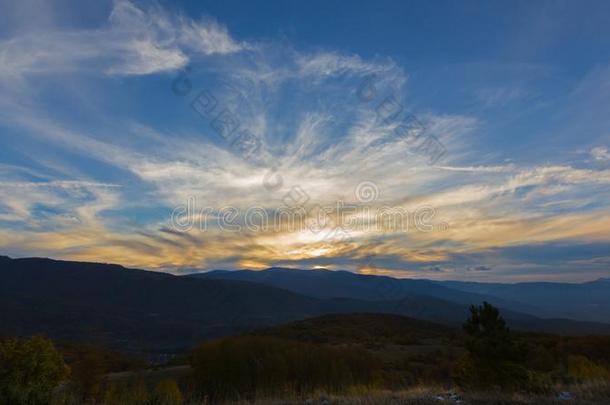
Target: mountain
{"x": 582, "y": 302}
{"x": 137, "y": 310}
{"x": 134, "y": 309}
{"x": 119, "y": 306}
{"x": 588, "y": 301}
{"x": 327, "y": 284}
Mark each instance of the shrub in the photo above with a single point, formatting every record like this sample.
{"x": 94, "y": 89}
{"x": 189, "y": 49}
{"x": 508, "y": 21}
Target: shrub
{"x": 167, "y": 393}
{"x": 249, "y": 366}
{"x": 30, "y": 369}
{"x": 582, "y": 369}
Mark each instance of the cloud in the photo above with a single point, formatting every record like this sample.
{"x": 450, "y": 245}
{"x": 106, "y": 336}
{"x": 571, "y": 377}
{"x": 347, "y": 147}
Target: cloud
{"x": 500, "y": 96}
{"x": 478, "y": 268}
{"x": 476, "y": 210}
{"x": 600, "y": 153}
{"x": 325, "y": 64}
{"x": 56, "y": 204}
{"x": 110, "y": 178}
{"x": 134, "y": 41}
{"x": 478, "y": 169}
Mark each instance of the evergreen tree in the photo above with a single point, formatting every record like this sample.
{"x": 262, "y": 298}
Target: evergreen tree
{"x": 494, "y": 358}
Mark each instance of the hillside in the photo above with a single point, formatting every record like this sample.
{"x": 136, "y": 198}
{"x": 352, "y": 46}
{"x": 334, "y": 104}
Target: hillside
{"x": 136, "y": 310}
{"x": 133, "y": 309}
{"x": 323, "y": 283}
{"x": 580, "y": 302}
{"x": 588, "y": 301}
{"x": 366, "y": 329}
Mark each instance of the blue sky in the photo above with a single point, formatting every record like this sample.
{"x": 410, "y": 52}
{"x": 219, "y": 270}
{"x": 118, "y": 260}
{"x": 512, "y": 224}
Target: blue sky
{"x": 125, "y": 125}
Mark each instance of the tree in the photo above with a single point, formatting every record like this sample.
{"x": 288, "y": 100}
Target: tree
{"x": 490, "y": 339}
{"x": 30, "y": 369}
{"x": 494, "y": 358}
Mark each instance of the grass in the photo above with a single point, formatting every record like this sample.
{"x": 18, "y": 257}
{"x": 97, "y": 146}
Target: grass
{"x": 584, "y": 394}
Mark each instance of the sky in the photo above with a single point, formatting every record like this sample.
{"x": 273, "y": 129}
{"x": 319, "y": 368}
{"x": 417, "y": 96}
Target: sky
{"x": 427, "y": 139}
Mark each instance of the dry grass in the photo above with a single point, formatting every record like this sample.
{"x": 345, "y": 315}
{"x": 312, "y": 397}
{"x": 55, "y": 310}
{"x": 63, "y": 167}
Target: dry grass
{"x": 585, "y": 394}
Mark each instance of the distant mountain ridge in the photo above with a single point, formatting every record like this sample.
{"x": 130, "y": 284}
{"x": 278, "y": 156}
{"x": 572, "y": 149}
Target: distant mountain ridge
{"x": 321, "y": 283}
{"x": 588, "y": 301}
{"x": 137, "y": 310}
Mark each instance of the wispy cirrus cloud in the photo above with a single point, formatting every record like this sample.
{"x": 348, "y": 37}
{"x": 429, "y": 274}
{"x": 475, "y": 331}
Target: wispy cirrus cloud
{"x": 319, "y": 118}
{"x": 133, "y": 41}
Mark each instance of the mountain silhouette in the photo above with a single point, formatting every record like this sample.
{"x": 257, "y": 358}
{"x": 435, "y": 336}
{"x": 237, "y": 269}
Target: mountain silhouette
{"x": 588, "y": 301}
{"x": 137, "y": 310}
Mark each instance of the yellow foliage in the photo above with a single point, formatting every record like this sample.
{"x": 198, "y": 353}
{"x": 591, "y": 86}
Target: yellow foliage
{"x": 583, "y": 369}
